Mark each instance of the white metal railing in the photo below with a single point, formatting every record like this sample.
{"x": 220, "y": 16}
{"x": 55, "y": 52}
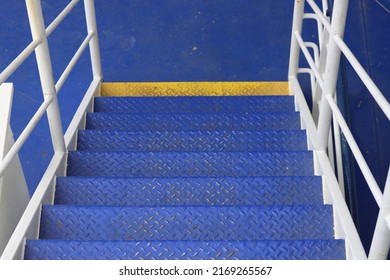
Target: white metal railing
{"x": 28, "y": 225}
{"x": 324, "y": 73}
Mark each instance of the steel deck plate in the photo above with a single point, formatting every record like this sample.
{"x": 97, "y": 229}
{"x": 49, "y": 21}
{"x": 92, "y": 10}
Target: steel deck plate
{"x": 200, "y": 121}
{"x": 186, "y": 250}
{"x": 187, "y": 223}
{"x": 231, "y": 104}
{"x": 192, "y": 141}
{"x": 163, "y": 164}
{"x": 188, "y": 191}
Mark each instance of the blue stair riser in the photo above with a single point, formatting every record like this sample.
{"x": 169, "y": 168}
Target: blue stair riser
{"x": 163, "y": 164}
{"x": 187, "y": 223}
{"x": 192, "y": 141}
{"x": 189, "y": 250}
{"x": 188, "y": 191}
{"x": 227, "y": 104}
{"x": 200, "y": 121}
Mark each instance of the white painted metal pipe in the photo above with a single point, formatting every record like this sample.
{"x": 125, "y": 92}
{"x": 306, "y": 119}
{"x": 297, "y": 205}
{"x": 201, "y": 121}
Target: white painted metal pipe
{"x": 305, "y": 111}
{"x": 7, "y": 72}
{"x": 299, "y": 8}
{"x": 73, "y": 62}
{"x": 309, "y": 59}
{"x": 320, "y": 14}
{"x": 339, "y": 156}
{"x": 368, "y": 82}
{"x": 42, "y": 54}
{"x": 24, "y": 135}
{"x": 61, "y": 17}
{"x": 344, "y": 225}
{"x": 316, "y": 52}
{"x": 381, "y": 240}
{"x": 331, "y": 72}
{"x": 373, "y": 185}
{"x": 319, "y": 25}
{"x": 90, "y": 16}
{"x": 311, "y": 74}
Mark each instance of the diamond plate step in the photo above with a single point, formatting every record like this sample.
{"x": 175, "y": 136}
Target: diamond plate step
{"x": 191, "y": 141}
{"x": 199, "y": 121}
{"x": 188, "y": 191}
{"x": 227, "y": 104}
{"x": 186, "y": 250}
{"x": 166, "y": 164}
{"x": 215, "y": 223}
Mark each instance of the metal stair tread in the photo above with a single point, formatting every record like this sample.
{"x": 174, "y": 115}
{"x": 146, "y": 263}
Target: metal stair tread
{"x": 210, "y": 164}
{"x": 187, "y": 222}
{"x": 186, "y": 250}
{"x": 193, "y": 121}
{"x": 194, "y": 104}
{"x": 188, "y": 191}
{"x": 191, "y": 141}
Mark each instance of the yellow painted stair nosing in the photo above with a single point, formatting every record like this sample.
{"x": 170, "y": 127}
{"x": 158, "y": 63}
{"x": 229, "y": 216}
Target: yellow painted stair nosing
{"x": 194, "y": 88}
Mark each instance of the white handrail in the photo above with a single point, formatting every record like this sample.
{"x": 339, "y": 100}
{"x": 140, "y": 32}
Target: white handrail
{"x": 52, "y": 26}
{"x": 366, "y": 79}
{"x": 28, "y": 226}
{"x": 381, "y": 240}
{"x": 372, "y": 184}
{"x": 10, "y": 69}
{"x": 73, "y": 62}
{"x": 328, "y": 107}
{"x": 309, "y": 59}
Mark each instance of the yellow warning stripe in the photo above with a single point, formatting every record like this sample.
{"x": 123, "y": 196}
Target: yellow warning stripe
{"x": 194, "y": 88}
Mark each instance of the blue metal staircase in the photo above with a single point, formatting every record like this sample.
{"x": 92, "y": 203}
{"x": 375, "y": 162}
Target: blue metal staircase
{"x": 189, "y": 178}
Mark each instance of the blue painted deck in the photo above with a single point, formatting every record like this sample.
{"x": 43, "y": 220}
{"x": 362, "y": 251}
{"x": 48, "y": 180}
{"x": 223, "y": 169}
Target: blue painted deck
{"x": 189, "y": 40}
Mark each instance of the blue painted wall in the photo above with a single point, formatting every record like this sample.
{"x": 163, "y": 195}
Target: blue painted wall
{"x": 194, "y": 40}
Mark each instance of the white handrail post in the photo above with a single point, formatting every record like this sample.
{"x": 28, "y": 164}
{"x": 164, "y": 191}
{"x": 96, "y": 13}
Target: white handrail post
{"x": 331, "y": 71}
{"x": 299, "y": 8}
{"x": 35, "y": 16}
{"x": 381, "y": 240}
{"x": 90, "y": 15}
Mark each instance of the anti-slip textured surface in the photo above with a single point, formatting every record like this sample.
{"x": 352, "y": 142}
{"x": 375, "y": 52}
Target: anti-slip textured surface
{"x": 189, "y": 191}
{"x": 231, "y": 104}
{"x": 200, "y": 121}
{"x": 189, "y": 178}
{"x": 187, "y": 250}
{"x": 192, "y": 141}
{"x": 187, "y": 223}
{"x": 194, "y": 164}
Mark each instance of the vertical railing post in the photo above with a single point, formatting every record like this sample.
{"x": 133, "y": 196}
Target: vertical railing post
{"x": 299, "y": 8}
{"x": 331, "y": 71}
{"x": 381, "y": 240}
{"x": 35, "y": 16}
{"x": 90, "y": 15}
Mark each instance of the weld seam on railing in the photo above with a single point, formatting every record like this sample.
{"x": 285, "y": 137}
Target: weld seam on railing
{"x": 73, "y": 62}
{"x": 10, "y": 69}
{"x": 372, "y": 184}
{"x": 25, "y": 134}
{"x": 309, "y": 59}
{"x": 52, "y": 26}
